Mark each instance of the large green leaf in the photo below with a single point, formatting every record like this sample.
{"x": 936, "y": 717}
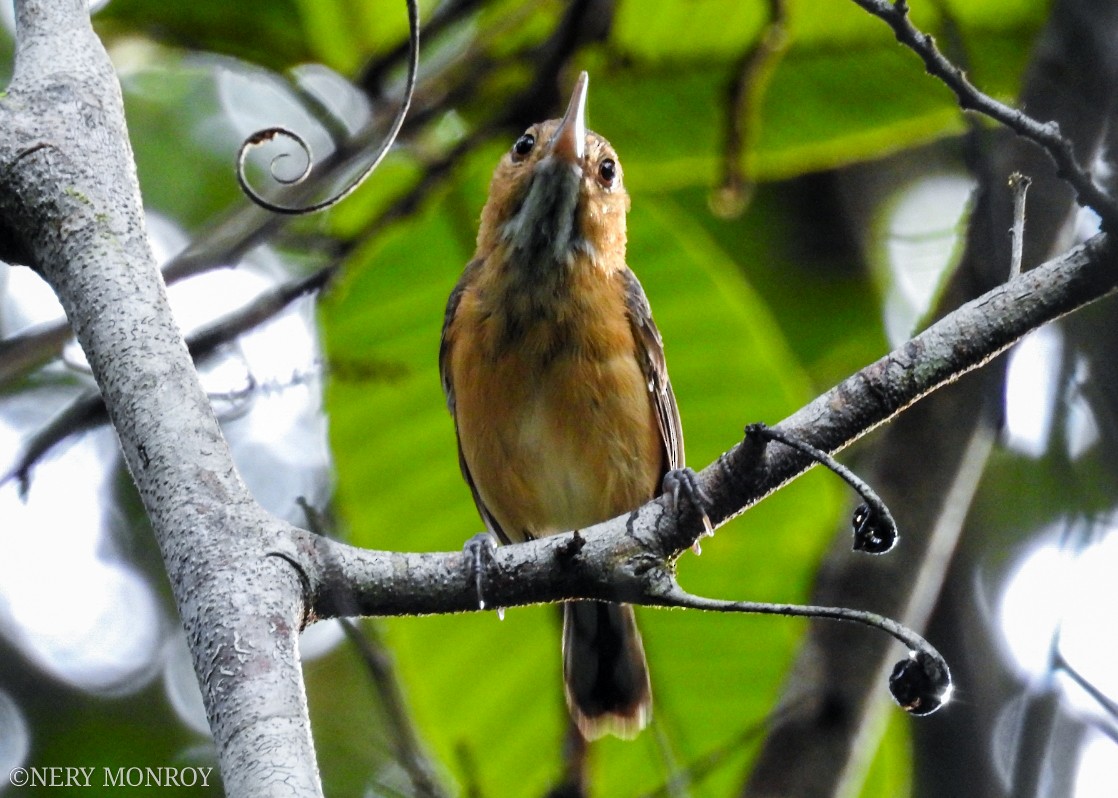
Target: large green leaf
{"x": 824, "y": 108}
{"x": 844, "y": 92}
{"x": 724, "y": 30}
{"x": 266, "y": 33}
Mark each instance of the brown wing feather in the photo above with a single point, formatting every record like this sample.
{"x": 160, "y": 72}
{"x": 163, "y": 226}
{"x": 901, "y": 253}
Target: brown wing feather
{"x": 446, "y": 344}
{"x": 650, "y": 352}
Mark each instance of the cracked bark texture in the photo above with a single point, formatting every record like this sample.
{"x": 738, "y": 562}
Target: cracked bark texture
{"x": 70, "y": 199}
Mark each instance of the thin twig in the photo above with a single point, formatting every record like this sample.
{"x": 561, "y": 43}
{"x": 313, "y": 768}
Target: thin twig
{"x": 573, "y": 780}
{"x": 260, "y": 310}
{"x": 372, "y": 74}
{"x": 935, "y": 690}
{"x": 882, "y": 540}
{"x": 708, "y": 763}
{"x": 26, "y": 351}
{"x": 1019, "y": 185}
{"x": 435, "y": 174}
{"x": 382, "y": 673}
{"x": 367, "y": 641}
{"x": 88, "y": 410}
{"x": 83, "y": 413}
{"x": 1045, "y": 134}
{"x": 743, "y": 117}
{"x": 467, "y": 763}
{"x": 1104, "y": 701}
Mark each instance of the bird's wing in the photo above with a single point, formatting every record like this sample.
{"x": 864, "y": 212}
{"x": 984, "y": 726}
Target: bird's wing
{"x": 650, "y": 353}
{"x": 446, "y": 344}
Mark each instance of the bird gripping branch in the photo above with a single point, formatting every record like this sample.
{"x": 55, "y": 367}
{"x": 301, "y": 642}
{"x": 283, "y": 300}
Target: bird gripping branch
{"x": 554, "y": 373}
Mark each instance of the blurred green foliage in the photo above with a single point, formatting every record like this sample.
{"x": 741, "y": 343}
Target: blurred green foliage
{"x": 756, "y": 319}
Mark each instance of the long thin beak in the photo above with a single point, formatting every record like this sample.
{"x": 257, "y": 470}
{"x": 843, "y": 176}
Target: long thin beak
{"x": 569, "y": 142}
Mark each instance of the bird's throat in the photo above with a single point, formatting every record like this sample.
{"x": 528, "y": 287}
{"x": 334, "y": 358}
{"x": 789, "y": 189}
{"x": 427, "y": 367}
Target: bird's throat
{"x": 542, "y": 257}
{"x": 543, "y": 234}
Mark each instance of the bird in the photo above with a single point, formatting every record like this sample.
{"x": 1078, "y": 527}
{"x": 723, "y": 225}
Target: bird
{"x": 555, "y": 377}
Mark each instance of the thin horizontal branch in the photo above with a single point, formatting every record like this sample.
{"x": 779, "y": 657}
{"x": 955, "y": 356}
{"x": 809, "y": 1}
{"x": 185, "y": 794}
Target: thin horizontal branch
{"x": 960, "y": 342}
{"x": 88, "y": 410}
{"x": 631, "y": 558}
{"x": 617, "y": 560}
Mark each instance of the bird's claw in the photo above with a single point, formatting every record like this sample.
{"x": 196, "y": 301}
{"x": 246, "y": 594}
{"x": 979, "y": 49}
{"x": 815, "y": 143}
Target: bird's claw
{"x": 684, "y": 481}
{"x": 480, "y": 550}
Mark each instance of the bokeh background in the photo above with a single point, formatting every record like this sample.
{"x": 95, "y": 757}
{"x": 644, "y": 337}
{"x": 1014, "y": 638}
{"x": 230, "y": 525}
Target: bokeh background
{"x": 857, "y": 203}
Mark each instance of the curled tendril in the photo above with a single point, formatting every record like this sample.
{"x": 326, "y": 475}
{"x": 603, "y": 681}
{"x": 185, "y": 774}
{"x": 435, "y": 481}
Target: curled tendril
{"x": 266, "y": 135}
{"x": 261, "y": 137}
{"x": 875, "y": 530}
{"x": 920, "y": 683}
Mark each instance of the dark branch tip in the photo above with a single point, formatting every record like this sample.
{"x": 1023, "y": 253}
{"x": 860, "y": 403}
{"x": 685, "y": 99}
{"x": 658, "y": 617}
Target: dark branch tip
{"x": 756, "y": 439}
{"x": 874, "y": 533}
{"x": 571, "y": 547}
{"x": 756, "y": 430}
{"x": 22, "y": 476}
{"x": 262, "y": 136}
{"x": 920, "y": 684}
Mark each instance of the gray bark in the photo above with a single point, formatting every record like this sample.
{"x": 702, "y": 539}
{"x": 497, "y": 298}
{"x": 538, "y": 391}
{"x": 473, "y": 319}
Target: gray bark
{"x": 71, "y": 203}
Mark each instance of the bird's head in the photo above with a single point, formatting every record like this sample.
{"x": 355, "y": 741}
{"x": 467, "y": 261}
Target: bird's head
{"x": 557, "y": 194}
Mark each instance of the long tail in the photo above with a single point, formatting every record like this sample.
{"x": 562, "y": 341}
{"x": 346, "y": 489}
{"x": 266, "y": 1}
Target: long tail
{"x": 604, "y": 669}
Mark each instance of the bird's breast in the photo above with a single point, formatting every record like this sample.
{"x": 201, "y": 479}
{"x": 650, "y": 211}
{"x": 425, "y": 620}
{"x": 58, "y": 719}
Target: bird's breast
{"x": 556, "y": 425}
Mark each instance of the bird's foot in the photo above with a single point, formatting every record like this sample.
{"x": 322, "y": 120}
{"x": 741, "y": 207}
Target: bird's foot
{"x": 684, "y": 481}
{"x": 480, "y": 551}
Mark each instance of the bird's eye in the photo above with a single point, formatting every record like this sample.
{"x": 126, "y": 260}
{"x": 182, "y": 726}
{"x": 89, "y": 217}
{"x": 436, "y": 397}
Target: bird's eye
{"x": 607, "y": 171}
{"x": 523, "y": 145}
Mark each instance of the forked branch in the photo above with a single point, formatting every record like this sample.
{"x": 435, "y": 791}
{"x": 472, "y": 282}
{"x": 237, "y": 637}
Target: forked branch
{"x": 1047, "y": 135}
